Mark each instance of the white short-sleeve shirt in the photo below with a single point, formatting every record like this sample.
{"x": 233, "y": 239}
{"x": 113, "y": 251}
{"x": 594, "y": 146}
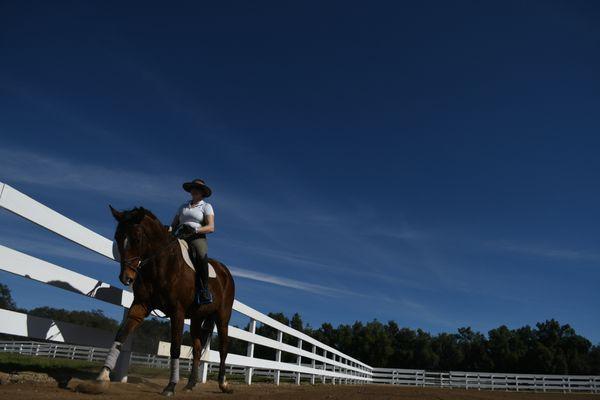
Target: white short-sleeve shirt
{"x": 194, "y": 215}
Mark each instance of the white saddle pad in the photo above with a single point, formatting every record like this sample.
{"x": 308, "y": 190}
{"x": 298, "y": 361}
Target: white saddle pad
{"x": 186, "y": 256}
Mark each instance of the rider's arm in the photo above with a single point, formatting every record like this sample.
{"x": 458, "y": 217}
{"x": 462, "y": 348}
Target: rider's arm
{"x": 175, "y": 222}
{"x": 210, "y": 225}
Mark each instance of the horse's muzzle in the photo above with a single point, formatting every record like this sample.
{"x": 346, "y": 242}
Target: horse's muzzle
{"x": 126, "y": 279}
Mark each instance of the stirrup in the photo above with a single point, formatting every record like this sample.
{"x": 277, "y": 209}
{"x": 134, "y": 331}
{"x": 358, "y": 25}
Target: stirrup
{"x": 203, "y": 296}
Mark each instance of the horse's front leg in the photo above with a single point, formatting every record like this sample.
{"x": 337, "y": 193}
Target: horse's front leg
{"x": 135, "y": 316}
{"x": 176, "y": 337}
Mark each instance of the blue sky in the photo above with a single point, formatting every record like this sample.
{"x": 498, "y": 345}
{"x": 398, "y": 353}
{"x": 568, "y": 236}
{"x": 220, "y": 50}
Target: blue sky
{"x": 433, "y": 163}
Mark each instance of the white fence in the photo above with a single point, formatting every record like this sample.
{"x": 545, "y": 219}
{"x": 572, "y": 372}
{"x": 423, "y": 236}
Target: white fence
{"x": 326, "y": 363}
{"x": 488, "y": 380}
{"x": 401, "y": 377}
{"x": 96, "y": 354}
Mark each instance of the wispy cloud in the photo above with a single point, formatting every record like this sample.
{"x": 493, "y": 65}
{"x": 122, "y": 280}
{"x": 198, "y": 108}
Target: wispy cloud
{"x": 419, "y": 311}
{"x": 18, "y": 166}
{"x": 23, "y": 166}
{"x": 37, "y": 246}
{"x": 291, "y": 258}
{"x": 401, "y": 306}
{"x": 291, "y": 283}
{"x": 403, "y": 233}
{"x": 544, "y": 251}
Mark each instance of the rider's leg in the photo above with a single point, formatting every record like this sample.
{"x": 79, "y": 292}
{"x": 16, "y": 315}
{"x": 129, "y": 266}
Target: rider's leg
{"x": 203, "y": 295}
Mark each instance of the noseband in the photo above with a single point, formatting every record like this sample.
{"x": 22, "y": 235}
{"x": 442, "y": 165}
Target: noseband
{"x": 129, "y": 263}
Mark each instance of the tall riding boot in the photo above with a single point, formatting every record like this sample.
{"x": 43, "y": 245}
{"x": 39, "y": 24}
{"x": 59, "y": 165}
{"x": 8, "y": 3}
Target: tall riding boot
{"x": 203, "y": 295}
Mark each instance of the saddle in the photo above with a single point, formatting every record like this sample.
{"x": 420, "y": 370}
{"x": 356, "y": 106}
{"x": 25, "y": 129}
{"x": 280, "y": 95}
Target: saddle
{"x": 188, "y": 255}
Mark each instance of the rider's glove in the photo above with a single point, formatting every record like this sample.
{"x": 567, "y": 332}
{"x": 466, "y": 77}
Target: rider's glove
{"x": 184, "y": 232}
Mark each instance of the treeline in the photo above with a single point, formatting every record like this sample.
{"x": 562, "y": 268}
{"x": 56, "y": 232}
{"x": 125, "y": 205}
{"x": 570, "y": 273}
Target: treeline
{"x": 547, "y": 348}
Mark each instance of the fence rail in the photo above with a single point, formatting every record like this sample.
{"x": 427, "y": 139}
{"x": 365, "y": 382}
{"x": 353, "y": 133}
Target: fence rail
{"x": 326, "y": 362}
{"x": 96, "y": 354}
{"x": 401, "y": 377}
{"x": 488, "y": 380}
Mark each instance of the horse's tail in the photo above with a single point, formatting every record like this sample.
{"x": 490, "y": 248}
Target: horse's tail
{"x": 206, "y": 332}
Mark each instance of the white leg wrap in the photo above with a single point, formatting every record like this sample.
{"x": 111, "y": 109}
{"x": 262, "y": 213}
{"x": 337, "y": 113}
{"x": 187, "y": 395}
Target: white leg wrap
{"x": 113, "y": 354}
{"x": 174, "y": 370}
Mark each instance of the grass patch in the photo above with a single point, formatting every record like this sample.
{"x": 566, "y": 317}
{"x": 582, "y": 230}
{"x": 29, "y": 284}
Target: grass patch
{"x": 57, "y": 368}
{"x": 61, "y": 369}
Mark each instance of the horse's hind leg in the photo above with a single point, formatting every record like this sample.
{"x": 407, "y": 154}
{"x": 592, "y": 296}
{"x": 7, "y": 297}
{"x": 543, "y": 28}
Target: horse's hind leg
{"x": 223, "y": 331}
{"x": 200, "y": 338}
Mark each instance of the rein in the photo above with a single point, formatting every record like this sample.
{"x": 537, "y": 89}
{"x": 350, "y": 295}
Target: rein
{"x": 142, "y": 261}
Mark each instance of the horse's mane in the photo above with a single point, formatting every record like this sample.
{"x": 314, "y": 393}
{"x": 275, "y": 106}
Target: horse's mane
{"x": 137, "y": 214}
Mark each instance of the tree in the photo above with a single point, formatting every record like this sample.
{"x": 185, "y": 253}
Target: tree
{"x": 6, "y": 300}
{"x": 474, "y": 347}
{"x": 92, "y": 319}
{"x": 594, "y": 360}
{"x": 450, "y": 355}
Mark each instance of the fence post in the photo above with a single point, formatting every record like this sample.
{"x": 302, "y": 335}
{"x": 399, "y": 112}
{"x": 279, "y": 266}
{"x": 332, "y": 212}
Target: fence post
{"x": 346, "y": 371}
{"x": 333, "y": 369}
{"x": 122, "y": 366}
{"x": 313, "y": 365}
{"x": 204, "y": 364}
{"x": 324, "y": 365}
{"x": 278, "y": 357}
{"x": 299, "y": 362}
{"x": 544, "y": 383}
{"x": 250, "y": 351}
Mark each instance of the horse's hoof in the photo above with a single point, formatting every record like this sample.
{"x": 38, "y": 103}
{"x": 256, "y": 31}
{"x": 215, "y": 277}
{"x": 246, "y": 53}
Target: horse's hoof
{"x": 93, "y": 387}
{"x": 189, "y": 387}
{"x": 224, "y": 386}
{"x": 169, "y": 390}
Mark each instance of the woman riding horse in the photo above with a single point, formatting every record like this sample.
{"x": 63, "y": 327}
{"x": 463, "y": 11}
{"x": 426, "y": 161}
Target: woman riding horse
{"x": 194, "y": 219}
{"x": 152, "y": 261}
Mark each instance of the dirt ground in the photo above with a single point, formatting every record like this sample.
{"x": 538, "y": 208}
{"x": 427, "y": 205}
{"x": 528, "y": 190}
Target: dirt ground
{"x": 141, "y": 388}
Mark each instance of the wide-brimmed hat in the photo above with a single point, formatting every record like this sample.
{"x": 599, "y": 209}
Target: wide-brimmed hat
{"x": 198, "y": 184}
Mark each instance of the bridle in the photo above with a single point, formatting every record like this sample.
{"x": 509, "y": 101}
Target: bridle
{"x": 128, "y": 263}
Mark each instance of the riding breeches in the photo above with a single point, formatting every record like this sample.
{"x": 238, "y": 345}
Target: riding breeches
{"x": 200, "y": 245}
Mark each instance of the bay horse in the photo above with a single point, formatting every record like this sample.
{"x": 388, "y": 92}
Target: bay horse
{"x": 151, "y": 261}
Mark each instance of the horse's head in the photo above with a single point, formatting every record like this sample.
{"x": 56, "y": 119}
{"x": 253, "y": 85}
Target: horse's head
{"x": 132, "y": 240}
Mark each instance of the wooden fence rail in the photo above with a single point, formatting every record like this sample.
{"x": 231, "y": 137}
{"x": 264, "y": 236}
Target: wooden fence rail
{"x": 488, "y": 380}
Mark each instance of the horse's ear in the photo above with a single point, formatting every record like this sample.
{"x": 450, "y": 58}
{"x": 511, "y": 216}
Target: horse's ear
{"x": 116, "y": 213}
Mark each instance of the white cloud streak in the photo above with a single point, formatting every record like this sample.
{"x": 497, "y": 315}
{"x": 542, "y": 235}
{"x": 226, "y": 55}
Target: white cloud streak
{"x": 290, "y": 283}
{"x": 33, "y": 168}
{"x": 547, "y": 252}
